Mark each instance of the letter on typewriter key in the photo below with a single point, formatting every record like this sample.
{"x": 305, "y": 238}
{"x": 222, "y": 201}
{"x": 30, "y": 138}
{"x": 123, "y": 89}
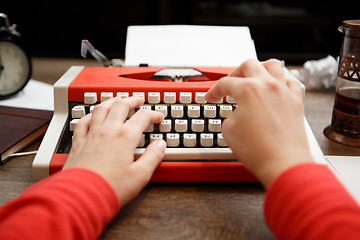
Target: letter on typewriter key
{"x": 172, "y": 139}
{"x": 106, "y": 96}
{"x": 181, "y": 125}
{"x": 169, "y": 97}
{"x": 197, "y": 125}
{"x": 78, "y": 112}
{"x": 200, "y": 97}
{"x": 177, "y": 111}
{"x": 122, "y": 94}
{"x": 165, "y": 125}
{"x": 139, "y": 94}
{"x": 162, "y": 109}
{"x": 146, "y": 106}
{"x": 185, "y": 97}
{"x": 206, "y": 139}
{"x": 209, "y": 111}
{"x": 153, "y": 97}
{"x": 189, "y": 139}
{"x": 225, "y": 110}
{"x": 214, "y": 125}
{"x": 90, "y": 97}
{"x": 193, "y": 111}
{"x": 155, "y": 136}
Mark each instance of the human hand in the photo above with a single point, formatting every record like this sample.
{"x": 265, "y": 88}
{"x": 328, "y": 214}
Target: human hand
{"x": 266, "y": 131}
{"x": 105, "y": 141}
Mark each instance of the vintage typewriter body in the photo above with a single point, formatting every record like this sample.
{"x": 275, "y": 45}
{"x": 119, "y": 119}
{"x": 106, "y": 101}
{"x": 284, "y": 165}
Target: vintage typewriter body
{"x": 196, "y": 149}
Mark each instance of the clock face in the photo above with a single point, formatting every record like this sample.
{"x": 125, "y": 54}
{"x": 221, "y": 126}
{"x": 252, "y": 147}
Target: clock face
{"x": 15, "y": 68}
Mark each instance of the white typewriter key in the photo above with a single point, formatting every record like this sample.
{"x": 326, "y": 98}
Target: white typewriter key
{"x": 142, "y": 141}
{"x": 206, "y": 139}
{"x": 73, "y": 123}
{"x": 78, "y": 112}
{"x": 225, "y": 110}
{"x": 90, "y": 97}
{"x": 106, "y": 96}
{"x": 220, "y": 140}
{"x": 230, "y": 99}
{"x": 172, "y": 139}
{"x": 165, "y": 125}
{"x": 197, "y": 125}
{"x": 200, "y": 97}
{"x": 181, "y": 125}
{"x": 162, "y": 109}
{"x": 92, "y": 108}
{"x": 150, "y": 128}
{"x": 138, "y": 94}
{"x": 185, "y": 97}
{"x": 189, "y": 139}
{"x": 155, "y": 136}
{"x": 193, "y": 111}
{"x": 214, "y": 125}
{"x": 221, "y": 100}
{"x": 209, "y": 111}
{"x": 169, "y": 97}
{"x": 122, "y": 94}
{"x": 146, "y": 106}
{"x": 177, "y": 111}
{"x": 153, "y": 97}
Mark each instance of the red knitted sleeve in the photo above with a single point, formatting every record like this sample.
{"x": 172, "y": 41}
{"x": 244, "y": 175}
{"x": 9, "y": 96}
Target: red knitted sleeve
{"x": 72, "y": 204}
{"x": 308, "y": 202}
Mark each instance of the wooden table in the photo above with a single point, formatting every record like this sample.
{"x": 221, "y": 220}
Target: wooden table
{"x": 180, "y": 210}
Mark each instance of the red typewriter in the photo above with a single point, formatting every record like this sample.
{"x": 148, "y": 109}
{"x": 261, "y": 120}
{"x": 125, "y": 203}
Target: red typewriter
{"x": 196, "y": 150}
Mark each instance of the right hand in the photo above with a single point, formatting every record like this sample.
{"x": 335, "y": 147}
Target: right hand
{"x": 266, "y": 131}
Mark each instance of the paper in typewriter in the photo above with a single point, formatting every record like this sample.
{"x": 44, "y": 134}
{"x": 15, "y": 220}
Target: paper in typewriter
{"x": 187, "y": 46}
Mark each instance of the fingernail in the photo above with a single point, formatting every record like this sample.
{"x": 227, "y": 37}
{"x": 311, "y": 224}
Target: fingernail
{"x": 161, "y": 144}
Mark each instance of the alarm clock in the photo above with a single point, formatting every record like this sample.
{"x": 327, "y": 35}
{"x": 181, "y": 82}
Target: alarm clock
{"x": 15, "y": 64}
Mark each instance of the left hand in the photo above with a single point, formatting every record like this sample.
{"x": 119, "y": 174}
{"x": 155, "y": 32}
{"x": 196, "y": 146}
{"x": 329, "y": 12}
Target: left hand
{"x": 105, "y": 141}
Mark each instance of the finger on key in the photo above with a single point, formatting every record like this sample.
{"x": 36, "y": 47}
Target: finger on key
{"x": 249, "y": 68}
{"x": 81, "y": 129}
{"x": 100, "y": 113}
{"x": 274, "y": 67}
{"x": 140, "y": 121}
{"x": 224, "y": 87}
{"x": 120, "y": 109}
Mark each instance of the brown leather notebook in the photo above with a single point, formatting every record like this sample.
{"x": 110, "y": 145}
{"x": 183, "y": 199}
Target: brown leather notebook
{"x": 19, "y": 127}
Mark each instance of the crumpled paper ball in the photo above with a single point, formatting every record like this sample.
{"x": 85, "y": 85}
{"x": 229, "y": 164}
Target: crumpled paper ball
{"x": 318, "y": 74}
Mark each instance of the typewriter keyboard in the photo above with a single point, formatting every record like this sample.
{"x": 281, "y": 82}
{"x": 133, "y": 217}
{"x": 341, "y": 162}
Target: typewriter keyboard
{"x": 191, "y": 128}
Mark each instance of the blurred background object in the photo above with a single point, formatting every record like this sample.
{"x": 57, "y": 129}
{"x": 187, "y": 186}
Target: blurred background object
{"x": 294, "y": 31}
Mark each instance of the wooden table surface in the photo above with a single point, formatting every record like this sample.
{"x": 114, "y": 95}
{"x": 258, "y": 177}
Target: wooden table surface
{"x": 179, "y": 210}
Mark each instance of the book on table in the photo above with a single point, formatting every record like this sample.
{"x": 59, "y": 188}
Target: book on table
{"x": 20, "y": 127}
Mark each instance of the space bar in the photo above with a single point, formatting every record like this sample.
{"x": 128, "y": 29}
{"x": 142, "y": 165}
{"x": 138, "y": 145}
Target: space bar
{"x": 194, "y": 153}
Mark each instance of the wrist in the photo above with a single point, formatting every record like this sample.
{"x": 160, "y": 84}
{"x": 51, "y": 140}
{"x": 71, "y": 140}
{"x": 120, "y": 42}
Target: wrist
{"x": 272, "y": 169}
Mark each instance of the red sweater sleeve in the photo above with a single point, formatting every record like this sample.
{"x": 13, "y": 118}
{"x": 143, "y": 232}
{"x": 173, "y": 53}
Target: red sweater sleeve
{"x": 72, "y": 204}
{"x": 308, "y": 202}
